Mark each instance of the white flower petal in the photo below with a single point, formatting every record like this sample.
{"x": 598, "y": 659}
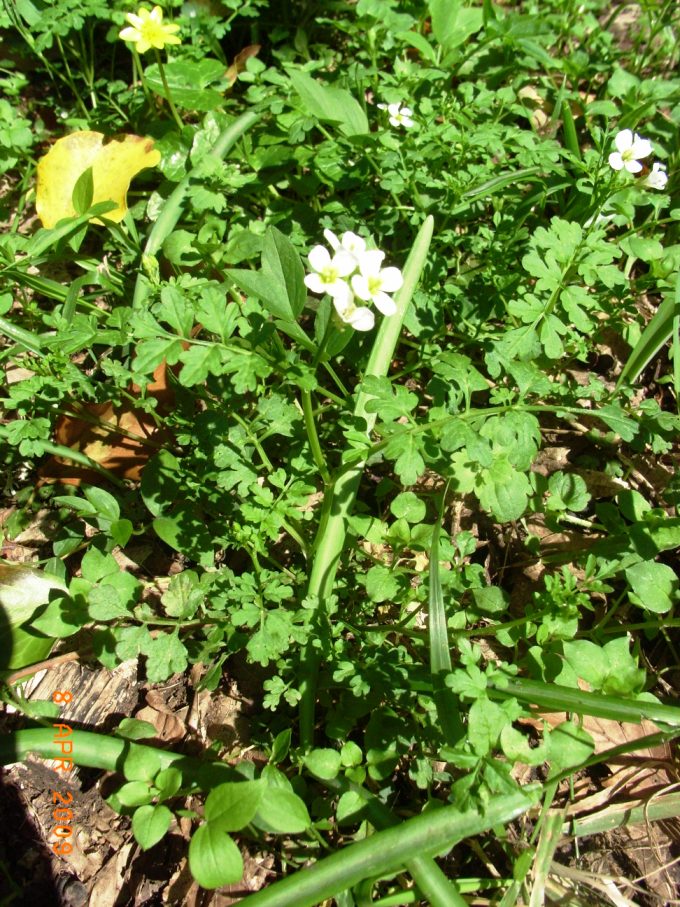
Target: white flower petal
{"x": 616, "y": 161}
{"x": 360, "y": 287}
{"x": 385, "y": 303}
{"x": 640, "y": 147}
{"x": 340, "y": 293}
{"x": 361, "y": 319}
{"x": 353, "y": 243}
{"x": 370, "y": 261}
{"x": 319, "y": 258}
{"x": 623, "y": 140}
{"x": 314, "y": 283}
{"x": 332, "y": 240}
{"x": 391, "y": 279}
{"x": 394, "y": 109}
{"x": 633, "y": 166}
{"x": 658, "y": 178}
{"x": 344, "y": 262}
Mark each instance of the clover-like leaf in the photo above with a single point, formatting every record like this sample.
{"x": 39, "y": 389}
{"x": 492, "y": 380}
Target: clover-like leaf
{"x": 113, "y": 160}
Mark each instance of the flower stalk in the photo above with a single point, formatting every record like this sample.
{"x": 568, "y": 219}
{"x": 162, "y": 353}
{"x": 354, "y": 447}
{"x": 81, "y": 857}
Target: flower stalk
{"x": 340, "y": 497}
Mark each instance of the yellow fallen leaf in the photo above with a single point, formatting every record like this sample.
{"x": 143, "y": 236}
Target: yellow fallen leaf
{"x": 114, "y": 160}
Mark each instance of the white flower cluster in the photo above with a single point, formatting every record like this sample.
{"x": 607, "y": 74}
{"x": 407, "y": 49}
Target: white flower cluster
{"x": 399, "y": 115}
{"x": 630, "y": 149}
{"x": 353, "y": 271}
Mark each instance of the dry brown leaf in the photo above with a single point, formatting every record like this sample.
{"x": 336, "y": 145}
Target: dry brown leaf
{"x": 240, "y": 60}
{"x": 121, "y": 439}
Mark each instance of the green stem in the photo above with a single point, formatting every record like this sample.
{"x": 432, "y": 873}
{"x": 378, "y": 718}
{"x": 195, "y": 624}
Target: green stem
{"x": 168, "y": 93}
{"x": 109, "y": 754}
{"x": 313, "y": 437}
{"x": 139, "y": 70}
{"x": 339, "y": 499}
{"x": 388, "y": 851}
{"x": 556, "y": 698}
{"x": 172, "y": 209}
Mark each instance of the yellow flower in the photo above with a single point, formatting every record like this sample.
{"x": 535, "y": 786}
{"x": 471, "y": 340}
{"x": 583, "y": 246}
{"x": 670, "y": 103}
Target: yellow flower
{"x": 146, "y": 30}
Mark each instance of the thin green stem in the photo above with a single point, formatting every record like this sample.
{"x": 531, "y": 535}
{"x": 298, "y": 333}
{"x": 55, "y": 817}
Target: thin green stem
{"x": 172, "y": 209}
{"x": 168, "y": 93}
{"x": 313, "y": 437}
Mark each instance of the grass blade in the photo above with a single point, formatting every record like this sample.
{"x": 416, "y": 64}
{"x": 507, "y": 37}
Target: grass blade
{"x": 440, "y": 655}
{"x": 657, "y": 332}
{"x": 388, "y": 851}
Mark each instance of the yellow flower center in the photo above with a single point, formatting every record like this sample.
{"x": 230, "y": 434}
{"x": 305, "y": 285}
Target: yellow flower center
{"x": 374, "y": 284}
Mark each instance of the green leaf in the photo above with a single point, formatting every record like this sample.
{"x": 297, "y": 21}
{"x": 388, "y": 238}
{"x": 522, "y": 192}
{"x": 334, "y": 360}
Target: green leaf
{"x": 83, "y": 192}
{"x": 491, "y": 599}
{"x": 408, "y": 506}
{"x": 61, "y": 618}
{"x": 486, "y": 720}
{"x": 134, "y": 793}
{"x": 135, "y": 729}
{"x": 568, "y": 746}
{"x": 165, "y": 654}
{"x": 351, "y": 808}
{"x": 282, "y": 812}
{"x": 185, "y": 533}
{"x": 655, "y": 586}
{"x": 214, "y": 859}
{"x": 503, "y": 491}
{"x": 453, "y": 23}
{"x": 167, "y": 782}
{"x": 121, "y": 532}
{"x": 232, "y": 806}
{"x": 150, "y": 824}
{"x": 654, "y": 336}
{"x": 141, "y": 764}
{"x": 588, "y": 660}
{"x": 618, "y": 421}
{"x": 271, "y": 292}
{"x": 183, "y": 596}
{"x": 404, "y": 448}
{"x": 330, "y": 104}
{"x": 568, "y": 491}
{"x": 199, "y": 361}
{"x": 281, "y": 261}
{"x": 381, "y": 584}
{"x": 323, "y": 763}
{"x": 104, "y": 603}
{"x": 188, "y": 81}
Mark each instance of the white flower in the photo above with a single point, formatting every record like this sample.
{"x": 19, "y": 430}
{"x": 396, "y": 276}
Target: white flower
{"x": 373, "y": 283}
{"x": 348, "y": 242}
{"x": 629, "y": 149}
{"x": 399, "y": 116}
{"x": 329, "y": 272}
{"x": 658, "y": 177}
{"x": 360, "y": 318}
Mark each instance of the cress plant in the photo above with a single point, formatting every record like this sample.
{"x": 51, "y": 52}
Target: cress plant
{"x": 389, "y": 259}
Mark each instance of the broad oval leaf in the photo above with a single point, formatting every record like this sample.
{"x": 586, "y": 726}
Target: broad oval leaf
{"x": 149, "y": 824}
{"x": 114, "y": 161}
{"x": 214, "y": 859}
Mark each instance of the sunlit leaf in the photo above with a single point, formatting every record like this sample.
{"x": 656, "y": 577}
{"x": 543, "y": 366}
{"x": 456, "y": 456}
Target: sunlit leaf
{"x": 114, "y": 162}
{"x": 22, "y": 591}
